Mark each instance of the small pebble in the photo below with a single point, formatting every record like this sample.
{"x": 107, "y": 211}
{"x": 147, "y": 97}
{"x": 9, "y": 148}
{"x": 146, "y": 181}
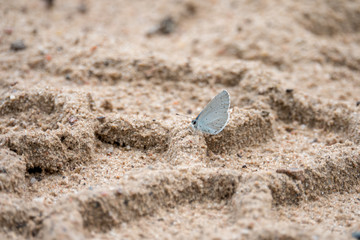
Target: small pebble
{"x": 107, "y": 105}
{"x": 315, "y": 140}
{"x": 72, "y": 120}
{"x": 18, "y": 45}
{"x": 119, "y": 191}
{"x": 82, "y": 8}
{"x": 49, "y": 3}
{"x": 165, "y": 27}
{"x": 265, "y": 114}
{"x": 100, "y": 118}
{"x": 13, "y": 83}
{"x": 289, "y": 90}
{"x": 110, "y": 151}
{"x": 8, "y": 31}
{"x": 33, "y": 180}
{"x": 289, "y": 129}
{"x": 190, "y": 8}
{"x": 107, "y": 63}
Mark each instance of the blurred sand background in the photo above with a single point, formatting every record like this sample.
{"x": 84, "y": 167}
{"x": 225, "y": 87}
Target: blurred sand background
{"x": 91, "y": 146}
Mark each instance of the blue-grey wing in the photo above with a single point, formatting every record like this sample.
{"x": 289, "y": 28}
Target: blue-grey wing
{"x": 215, "y": 115}
{"x": 216, "y": 125}
{"x": 220, "y": 103}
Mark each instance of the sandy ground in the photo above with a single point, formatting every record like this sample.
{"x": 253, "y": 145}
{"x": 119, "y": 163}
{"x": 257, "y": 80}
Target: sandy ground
{"x": 91, "y": 146}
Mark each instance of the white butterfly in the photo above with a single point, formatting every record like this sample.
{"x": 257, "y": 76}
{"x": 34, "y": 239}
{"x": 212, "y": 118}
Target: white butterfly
{"x": 215, "y": 115}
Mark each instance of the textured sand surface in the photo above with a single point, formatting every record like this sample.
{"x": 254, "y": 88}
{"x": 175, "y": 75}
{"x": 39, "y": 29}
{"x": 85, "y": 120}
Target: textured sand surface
{"x": 91, "y": 146}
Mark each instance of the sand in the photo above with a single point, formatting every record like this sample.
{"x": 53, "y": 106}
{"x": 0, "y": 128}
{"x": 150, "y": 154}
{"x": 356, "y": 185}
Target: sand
{"x": 91, "y": 146}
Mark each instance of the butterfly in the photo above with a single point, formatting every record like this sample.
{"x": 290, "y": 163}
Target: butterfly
{"x": 215, "y": 115}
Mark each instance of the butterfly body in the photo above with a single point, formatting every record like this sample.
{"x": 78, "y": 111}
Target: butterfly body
{"x": 215, "y": 115}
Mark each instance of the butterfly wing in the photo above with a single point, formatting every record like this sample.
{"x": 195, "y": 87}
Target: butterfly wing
{"x": 215, "y": 116}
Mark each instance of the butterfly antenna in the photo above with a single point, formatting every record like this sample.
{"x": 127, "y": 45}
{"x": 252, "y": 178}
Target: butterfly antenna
{"x": 183, "y": 115}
